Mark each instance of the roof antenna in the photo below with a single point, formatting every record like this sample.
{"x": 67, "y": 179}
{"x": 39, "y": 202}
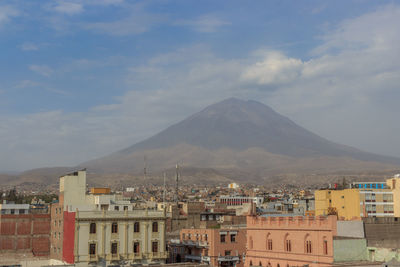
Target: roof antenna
{"x": 164, "y": 189}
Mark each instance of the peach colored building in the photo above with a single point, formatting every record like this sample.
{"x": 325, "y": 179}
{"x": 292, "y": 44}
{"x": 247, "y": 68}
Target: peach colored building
{"x": 290, "y": 241}
{"x": 217, "y": 247}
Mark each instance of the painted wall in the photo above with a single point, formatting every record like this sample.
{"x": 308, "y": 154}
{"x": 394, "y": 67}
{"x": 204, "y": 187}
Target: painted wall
{"x": 350, "y": 250}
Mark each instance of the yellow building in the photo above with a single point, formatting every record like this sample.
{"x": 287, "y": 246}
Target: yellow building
{"x": 362, "y": 200}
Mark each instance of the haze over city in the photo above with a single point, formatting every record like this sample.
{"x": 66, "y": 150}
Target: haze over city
{"x": 82, "y": 79}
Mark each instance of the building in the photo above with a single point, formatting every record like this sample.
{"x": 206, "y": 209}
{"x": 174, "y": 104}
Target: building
{"x": 304, "y": 241}
{"x": 240, "y": 200}
{"x": 216, "y": 247}
{"x": 22, "y": 231}
{"x": 103, "y": 228}
{"x": 363, "y": 200}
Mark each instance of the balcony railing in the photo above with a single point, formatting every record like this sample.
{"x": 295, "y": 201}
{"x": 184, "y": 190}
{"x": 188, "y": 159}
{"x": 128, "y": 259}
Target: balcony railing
{"x": 193, "y": 257}
{"x": 93, "y": 257}
{"x": 228, "y": 258}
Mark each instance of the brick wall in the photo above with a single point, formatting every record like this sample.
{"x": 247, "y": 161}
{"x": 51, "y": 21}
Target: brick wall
{"x": 25, "y": 233}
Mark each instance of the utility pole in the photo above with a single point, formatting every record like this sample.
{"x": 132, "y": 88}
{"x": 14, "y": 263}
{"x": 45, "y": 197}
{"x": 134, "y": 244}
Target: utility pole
{"x": 164, "y": 189}
{"x": 177, "y": 183}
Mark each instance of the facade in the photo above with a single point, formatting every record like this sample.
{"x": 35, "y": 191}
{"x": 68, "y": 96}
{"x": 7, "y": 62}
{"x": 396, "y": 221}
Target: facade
{"x": 24, "y": 232}
{"x": 240, "y": 200}
{"x": 216, "y": 247}
{"x": 363, "y": 200}
{"x": 290, "y": 241}
{"x": 104, "y": 228}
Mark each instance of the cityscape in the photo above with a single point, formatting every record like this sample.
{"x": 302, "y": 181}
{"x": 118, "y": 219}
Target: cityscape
{"x": 187, "y": 133}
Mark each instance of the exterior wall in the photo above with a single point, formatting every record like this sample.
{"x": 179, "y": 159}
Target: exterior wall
{"x": 378, "y": 202}
{"x": 346, "y": 203}
{"x": 125, "y": 237}
{"x": 394, "y": 184}
{"x": 57, "y": 231}
{"x": 382, "y": 232}
{"x": 25, "y": 233}
{"x": 350, "y": 229}
{"x": 296, "y": 229}
{"x": 73, "y": 189}
{"x": 205, "y": 245}
{"x": 347, "y": 250}
{"x": 68, "y": 237}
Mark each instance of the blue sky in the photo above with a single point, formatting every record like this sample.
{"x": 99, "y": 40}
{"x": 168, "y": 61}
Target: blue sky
{"x": 81, "y": 79}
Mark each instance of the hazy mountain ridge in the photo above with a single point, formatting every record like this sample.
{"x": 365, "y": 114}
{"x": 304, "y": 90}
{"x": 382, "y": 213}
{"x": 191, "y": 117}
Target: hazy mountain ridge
{"x": 231, "y": 140}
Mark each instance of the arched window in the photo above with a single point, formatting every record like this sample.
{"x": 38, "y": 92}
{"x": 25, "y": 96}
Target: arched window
{"x": 259, "y": 264}
{"x": 114, "y": 228}
{"x": 155, "y": 227}
{"x": 307, "y": 244}
{"x": 269, "y": 242}
{"x": 136, "y": 227}
{"x": 269, "y": 264}
{"x": 288, "y": 243}
{"x": 278, "y": 265}
{"x": 251, "y": 263}
{"x": 92, "y": 228}
{"x": 250, "y": 242}
{"x": 325, "y": 245}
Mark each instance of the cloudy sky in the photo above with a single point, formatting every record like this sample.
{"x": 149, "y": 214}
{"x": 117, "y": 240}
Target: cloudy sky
{"x": 81, "y": 79}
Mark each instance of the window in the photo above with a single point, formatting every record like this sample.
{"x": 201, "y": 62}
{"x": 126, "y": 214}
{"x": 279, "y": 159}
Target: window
{"x": 92, "y": 228}
{"x": 155, "y": 227}
{"x": 325, "y": 247}
{"x": 222, "y": 238}
{"x": 136, "y": 227}
{"x": 233, "y": 238}
{"x": 136, "y": 247}
{"x": 92, "y": 249}
{"x": 269, "y": 244}
{"x": 114, "y": 228}
{"x": 125, "y": 207}
{"x": 206, "y": 237}
{"x": 12, "y": 211}
{"x": 308, "y": 246}
{"x": 114, "y": 248}
{"x": 183, "y": 236}
{"x": 154, "y": 247}
{"x": 288, "y": 243}
{"x": 116, "y": 207}
{"x": 227, "y": 252}
{"x": 251, "y": 242}
{"x": 21, "y": 211}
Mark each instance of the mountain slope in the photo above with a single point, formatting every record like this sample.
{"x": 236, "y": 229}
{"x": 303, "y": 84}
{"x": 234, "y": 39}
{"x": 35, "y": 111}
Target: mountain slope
{"x": 236, "y": 134}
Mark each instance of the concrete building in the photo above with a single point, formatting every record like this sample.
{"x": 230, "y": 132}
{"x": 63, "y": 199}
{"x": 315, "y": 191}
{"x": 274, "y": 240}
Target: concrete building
{"x": 363, "y": 200}
{"x": 23, "y": 232}
{"x": 304, "y": 241}
{"x": 216, "y": 247}
{"x": 103, "y": 228}
{"x": 236, "y": 200}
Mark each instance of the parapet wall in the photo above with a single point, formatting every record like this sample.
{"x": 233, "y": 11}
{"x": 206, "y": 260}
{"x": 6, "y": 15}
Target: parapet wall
{"x": 292, "y": 223}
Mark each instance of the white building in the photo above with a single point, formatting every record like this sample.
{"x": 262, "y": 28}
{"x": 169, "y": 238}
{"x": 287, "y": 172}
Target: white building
{"x": 104, "y": 228}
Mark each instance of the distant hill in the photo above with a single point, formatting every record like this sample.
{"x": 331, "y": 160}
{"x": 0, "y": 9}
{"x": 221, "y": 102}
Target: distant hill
{"x": 238, "y": 140}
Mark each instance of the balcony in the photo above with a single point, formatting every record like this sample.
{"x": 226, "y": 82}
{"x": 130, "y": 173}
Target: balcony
{"x": 199, "y": 244}
{"x": 158, "y": 255}
{"x": 113, "y": 257}
{"x": 93, "y": 258}
{"x": 193, "y": 257}
{"x": 228, "y": 258}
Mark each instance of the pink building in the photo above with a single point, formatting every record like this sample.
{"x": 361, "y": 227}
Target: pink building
{"x": 290, "y": 241}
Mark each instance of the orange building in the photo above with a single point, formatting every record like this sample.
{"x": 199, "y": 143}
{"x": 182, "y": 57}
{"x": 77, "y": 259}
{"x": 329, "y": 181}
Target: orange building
{"x": 217, "y": 247}
{"x": 290, "y": 241}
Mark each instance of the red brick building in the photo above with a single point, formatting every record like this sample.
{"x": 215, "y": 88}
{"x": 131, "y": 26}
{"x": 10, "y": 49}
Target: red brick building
{"x": 25, "y": 233}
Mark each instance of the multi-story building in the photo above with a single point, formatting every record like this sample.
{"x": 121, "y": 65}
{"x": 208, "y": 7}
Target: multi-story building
{"x": 22, "y": 231}
{"x": 236, "y": 200}
{"x": 304, "y": 241}
{"x": 216, "y": 247}
{"x": 363, "y": 200}
{"x": 99, "y": 228}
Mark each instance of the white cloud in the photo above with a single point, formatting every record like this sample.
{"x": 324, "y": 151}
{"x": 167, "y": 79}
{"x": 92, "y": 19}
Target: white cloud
{"x": 6, "y": 13}
{"x": 207, "y": 23}
{"x": 68, "y": 8}
{"x": 275, "y": 68}
{"x": 42, "y": 70}
{"x": 29, "y": 47}
{"x": 137, "y": 22}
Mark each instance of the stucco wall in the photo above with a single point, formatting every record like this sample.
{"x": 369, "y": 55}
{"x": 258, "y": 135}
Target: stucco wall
{"x": 349, "y": 250}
